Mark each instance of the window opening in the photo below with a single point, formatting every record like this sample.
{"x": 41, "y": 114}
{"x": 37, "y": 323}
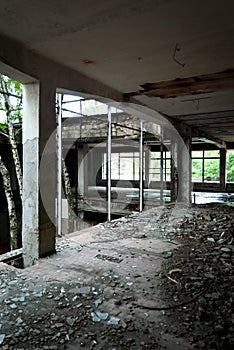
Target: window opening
{"x": 230, "y": 166}
{"x": 124, "y": 166}
{"x": 205, "y": 166}
{"x": 155, "y": 164}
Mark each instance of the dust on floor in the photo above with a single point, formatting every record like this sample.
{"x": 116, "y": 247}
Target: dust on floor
{"x": 161, "y": 279}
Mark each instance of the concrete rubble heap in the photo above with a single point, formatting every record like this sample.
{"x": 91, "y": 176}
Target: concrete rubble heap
{"x": 161, "y": 279}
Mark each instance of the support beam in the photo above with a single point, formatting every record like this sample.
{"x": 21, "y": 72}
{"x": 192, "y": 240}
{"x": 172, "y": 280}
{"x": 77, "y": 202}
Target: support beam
{"x": 196, "y": 132}
{"x": 223, "y": 154}
{"x": 202, "y": 136}
{"x": 141, "y": 157}
{"x": 109, "y": 165}
{"x": 174, "y": 172}
{"x": 47, "y": 135}
{"x": 30, "y": 215}
{"x": 82, "y": 173}
{"x": 39, "y": 122}
{"x": 184, "y": 169}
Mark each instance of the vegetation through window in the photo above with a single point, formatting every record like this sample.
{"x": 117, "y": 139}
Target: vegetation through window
{"x": 230, "y": 166}
{"x": 205, "y": 166}
{"x": 155, "y": 166}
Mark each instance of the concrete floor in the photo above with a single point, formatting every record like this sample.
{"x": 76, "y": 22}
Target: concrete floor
{"x": 125, "y": 263}
{"x": 111, "y": 266}
{"x": 90, "y": 288}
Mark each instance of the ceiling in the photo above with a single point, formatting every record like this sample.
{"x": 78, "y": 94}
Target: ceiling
{"x": 175, "y": 56}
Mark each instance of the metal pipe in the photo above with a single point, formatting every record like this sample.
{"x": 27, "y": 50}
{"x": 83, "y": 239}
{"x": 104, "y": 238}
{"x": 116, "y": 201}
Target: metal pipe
{"x": 59, "y": 166}
{"x": 72, "y": 101}
{"x": 141, "y": 155}
{"x": 109, "y": 165}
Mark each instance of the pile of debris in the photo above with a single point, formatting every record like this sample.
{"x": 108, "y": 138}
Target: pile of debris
{"x": 54, "y": 315}
{"x": 129, "y": 297}
{"x": 197, "y": 281}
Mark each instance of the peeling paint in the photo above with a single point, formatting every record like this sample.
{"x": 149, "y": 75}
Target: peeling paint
{"x": 206, "y": 83}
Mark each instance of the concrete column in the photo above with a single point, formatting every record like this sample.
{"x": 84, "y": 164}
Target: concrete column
{"x": 161, "y": 174}
{"x": 81, "y": 170}
{"x": 184, "y": 165}
{"x": 39, "y": 122}
{"x": 109, "y": 150}
{"x": 147, "y": 170}
{"x": 174, "y": 172}
{"x": 30, "y": 214}
{"x": 141, "y": 168}
{"x": 223, "y": 154}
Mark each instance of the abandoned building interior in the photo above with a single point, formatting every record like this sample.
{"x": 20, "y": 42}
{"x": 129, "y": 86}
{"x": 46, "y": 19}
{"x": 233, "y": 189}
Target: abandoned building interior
{"x": 125, "y": 224}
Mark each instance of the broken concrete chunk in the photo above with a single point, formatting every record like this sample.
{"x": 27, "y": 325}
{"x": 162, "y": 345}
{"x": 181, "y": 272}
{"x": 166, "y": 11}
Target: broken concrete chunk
{"x": 2, "y": 337}
{"x": 113, "y": 321}
{"x": 225, "y": 250}
{"x": 62, "y": 290}
{"x": 70, "y": 321}
{"x": 99, "y": 316}
{"x": 98, "y": 302}
{"x": 168, "y": 255}
{"x": 15, "y": 300}
{"x": 53, "y": 317}
{"x": 207, "y": 217}
{"x": 18, "y": 321}
{"x": 129, "y": 284}
{"x": 38, "y": 295}
{"x": 74, "y": 298}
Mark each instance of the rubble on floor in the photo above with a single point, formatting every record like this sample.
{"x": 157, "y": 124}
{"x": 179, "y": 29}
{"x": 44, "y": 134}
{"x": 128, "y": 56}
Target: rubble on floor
{"x": 162, "y": 279}
{"x": 202, "y": 266}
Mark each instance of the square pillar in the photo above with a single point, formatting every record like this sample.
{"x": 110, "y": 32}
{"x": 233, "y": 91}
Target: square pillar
{"x": 174, "y": 171}
{"x": 39, "y": 123}
{"x": 184, "y": 166}
{"x": 223, "y": 155}
{"x": 82, "y": 175}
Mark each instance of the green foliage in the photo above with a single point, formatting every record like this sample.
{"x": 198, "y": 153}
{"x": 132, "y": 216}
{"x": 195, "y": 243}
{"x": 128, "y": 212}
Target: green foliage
{"x": 211, "y": 166}
{"x": 230, "y": 166}
{"x": 197, "y": 169}
{"x": 15, "y": 97}
{"x": 211, "y": 169}
{"x": 210, "y": 163}
{"x": 3, "y": 127}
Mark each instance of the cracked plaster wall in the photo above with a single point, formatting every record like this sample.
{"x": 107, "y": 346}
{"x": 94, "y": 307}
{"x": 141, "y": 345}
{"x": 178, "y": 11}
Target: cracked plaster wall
{"x": 30, "y": 226}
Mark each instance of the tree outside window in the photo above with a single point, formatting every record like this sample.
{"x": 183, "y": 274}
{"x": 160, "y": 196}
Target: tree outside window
{"x": 230, "y": 166}
{"x": 205, "y": 166}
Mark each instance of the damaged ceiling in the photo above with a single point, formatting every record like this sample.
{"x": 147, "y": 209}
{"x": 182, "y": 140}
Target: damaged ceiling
{"x": 175, "y": 57}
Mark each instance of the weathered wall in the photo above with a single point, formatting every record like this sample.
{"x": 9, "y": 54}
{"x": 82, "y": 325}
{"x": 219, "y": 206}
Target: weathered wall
{"x": 87, "y": 127}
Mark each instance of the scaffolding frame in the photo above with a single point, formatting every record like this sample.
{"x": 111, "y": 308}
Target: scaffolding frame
{"x": 110, "y": 123}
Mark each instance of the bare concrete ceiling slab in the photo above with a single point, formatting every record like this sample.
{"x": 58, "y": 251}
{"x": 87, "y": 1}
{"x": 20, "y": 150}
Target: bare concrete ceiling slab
{"x": 129, "y": 44}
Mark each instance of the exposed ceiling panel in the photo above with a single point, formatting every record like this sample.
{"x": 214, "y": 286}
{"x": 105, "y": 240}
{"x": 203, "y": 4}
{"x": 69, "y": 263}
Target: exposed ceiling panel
{"x": 197, "y": 85}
